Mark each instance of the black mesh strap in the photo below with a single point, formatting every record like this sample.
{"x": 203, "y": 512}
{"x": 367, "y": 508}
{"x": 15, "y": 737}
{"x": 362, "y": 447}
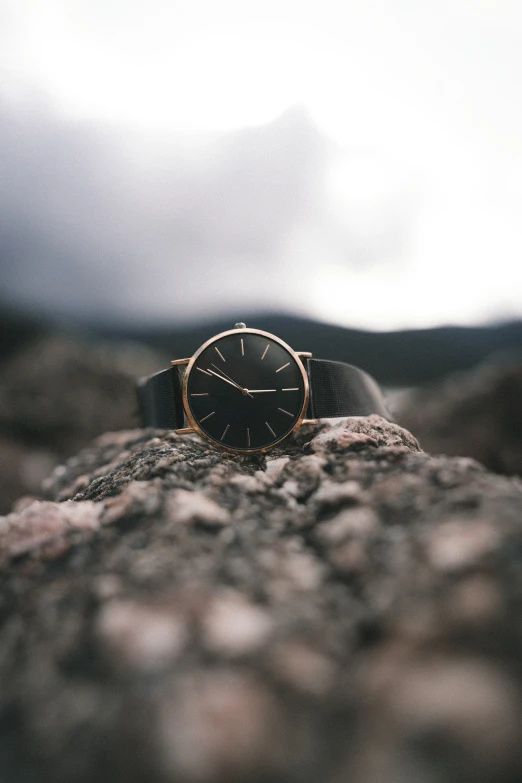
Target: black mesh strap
{"x": 339, "y": 389}
{"x": 336, "y": 389}
{"x": 160, "y": 400}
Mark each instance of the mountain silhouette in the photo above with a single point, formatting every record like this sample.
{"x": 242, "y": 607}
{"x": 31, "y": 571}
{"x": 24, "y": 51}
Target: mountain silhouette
{"x": 400, "y": 358}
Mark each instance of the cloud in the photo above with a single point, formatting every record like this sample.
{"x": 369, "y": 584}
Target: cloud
{"x": 414, "y": 223}
{"x": 96, "y": 222}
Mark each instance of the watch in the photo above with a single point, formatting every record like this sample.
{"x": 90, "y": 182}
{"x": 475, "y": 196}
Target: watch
{"x": 246, "y": 390}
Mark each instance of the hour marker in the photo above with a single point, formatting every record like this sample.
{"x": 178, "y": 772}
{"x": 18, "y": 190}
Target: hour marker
{"x": 208, "y": 416}
{"x": 225, "y": 432}
{"x": 283, "y": 367}
{"x": 248, "y": 437}
{"x": 219, "y": 352}
{"x": 293, "y": 389}
{"x": 283, "y": 411}
{"x": 264, "y": 352}
{"x": 271, "y": 430}
{"x": 242, "y": 347}
{"x": 202, "y": 394}
{"x": 204, "y": 371}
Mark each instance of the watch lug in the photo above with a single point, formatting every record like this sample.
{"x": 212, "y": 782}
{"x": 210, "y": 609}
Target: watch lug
{"x": 185, "y": 431}
{"x": 304, "y": 354}
{"x": 310, "y": 421}
{"x": 179, "y": 361}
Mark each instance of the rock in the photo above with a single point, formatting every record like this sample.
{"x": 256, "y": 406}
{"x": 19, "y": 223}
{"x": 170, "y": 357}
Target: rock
{"x": 475, "y": 413}
{"x": 56, "y": 394}
{"x": 62, "y": 393}
{"x": 359, "y": 431}
{"x": 345, "y": 608}
{"x": 22, "y": 470}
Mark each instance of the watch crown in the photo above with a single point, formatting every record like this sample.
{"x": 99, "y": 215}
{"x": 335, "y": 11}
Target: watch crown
{"x": 240, "y": 325}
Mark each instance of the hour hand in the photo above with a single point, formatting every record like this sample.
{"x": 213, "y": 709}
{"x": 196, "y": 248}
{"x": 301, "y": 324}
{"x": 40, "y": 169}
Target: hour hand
{"x": 232, "y": 383}
{"x": 222, "y": 372}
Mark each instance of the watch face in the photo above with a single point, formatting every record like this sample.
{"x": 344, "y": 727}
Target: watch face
{"x": 245, "y": 390}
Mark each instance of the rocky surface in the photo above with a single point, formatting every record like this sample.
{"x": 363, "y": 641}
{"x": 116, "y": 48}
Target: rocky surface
{"x": 477, "y": 414}
{"x": 345, "y": 608}
{"x": 56, "y": 395}
{"x": 59, "y": 392}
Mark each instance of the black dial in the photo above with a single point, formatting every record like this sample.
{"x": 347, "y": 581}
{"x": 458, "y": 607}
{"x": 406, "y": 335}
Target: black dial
{"x": 246, "y": 390}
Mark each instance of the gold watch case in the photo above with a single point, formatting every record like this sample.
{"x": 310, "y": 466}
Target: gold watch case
{"x": 193, "y": 425}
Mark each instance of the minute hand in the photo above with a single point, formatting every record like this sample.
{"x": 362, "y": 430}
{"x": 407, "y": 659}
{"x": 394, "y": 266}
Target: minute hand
{"x": 222, "y": 372}
{"x": 226, "y": 380}
{"x": 260, "y": 391}
{"x": 232, "y": 383}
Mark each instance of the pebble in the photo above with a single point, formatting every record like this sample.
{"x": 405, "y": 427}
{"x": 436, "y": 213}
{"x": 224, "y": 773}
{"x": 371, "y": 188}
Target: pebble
{"x": 136, "y": 497}
{"x": 303, "y": 668}
{"x": 215, "y": 727}
{"x": 466, "y": 700}
{"x": 331, "y": 494}
{"x": 340, "y": 437}
{"x": 189, "y": 507}
{"x": 233, "y": 626}
{"x": 141, "y": 637}
{"x": 475, "y": 601}
{"x": 274, "y": 467}
{"x": 40, "y": 522}
{"x": 351, "y": 522}
{"x": 456, "y": 545}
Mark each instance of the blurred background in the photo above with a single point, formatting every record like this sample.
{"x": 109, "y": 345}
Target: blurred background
{"x": 359, "y": 163}
{"x": 348, "y": 175}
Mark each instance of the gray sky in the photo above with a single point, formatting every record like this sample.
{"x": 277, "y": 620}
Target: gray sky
{"x": 358, "y": 162}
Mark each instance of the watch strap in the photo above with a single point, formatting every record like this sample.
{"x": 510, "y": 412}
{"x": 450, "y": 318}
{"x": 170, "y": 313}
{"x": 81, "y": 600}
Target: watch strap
{"x": 160, "y": 400}
{"x": 336, "y": 389}
{"x": 340, "y": 389}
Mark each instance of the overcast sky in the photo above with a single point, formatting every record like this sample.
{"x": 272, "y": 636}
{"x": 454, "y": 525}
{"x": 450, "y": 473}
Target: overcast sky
{"x": 359, "y": 162}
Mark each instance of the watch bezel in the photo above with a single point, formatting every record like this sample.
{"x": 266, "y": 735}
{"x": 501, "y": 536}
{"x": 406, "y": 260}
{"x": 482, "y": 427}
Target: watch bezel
{"x": 186, "y": 405}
